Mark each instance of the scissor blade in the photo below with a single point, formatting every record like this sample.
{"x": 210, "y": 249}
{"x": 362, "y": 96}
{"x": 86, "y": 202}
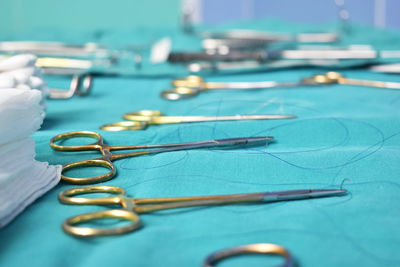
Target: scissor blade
{"x": 302, "y": 194}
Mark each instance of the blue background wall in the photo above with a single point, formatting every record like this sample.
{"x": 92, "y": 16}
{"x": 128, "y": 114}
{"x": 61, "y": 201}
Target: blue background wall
{"x": 84, "y": 15}
{"x": 368, "y": 12}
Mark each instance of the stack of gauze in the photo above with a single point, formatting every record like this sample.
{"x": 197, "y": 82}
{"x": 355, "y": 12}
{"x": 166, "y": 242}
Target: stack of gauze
{"x": 22, "y": 109}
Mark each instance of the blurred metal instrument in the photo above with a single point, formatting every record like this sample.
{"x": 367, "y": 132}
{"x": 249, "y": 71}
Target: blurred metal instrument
{"x": 141, "y": 119}
{"x": 81, "y": 62}
{"x": 191, "y": 86}
{"x": 55, "y": 49}
{"x": 386, "y": 68}
{"x": 82, "y": 79}
{"x": 295, "y": 54}
{"x": 250, "y": 40}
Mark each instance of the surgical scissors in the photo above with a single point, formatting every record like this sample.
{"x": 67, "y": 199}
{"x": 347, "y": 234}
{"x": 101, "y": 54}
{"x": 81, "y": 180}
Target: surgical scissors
{"x": 107, "y": 157}
{"x": 191, "y": 86}
{"x": 141, "y": 119}
{"x": 131, "y": 207}
{"x": 260, "y": 248}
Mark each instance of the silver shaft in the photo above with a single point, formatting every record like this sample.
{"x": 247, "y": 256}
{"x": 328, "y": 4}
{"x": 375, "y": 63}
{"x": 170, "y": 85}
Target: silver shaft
{"x": 256, "y": 85}
{"x": 235, "y": 118}
{"x": 214, "y": 143}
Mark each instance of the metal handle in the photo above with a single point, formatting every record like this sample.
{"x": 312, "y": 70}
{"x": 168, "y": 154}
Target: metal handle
{"x": 99, "y": 162}
{"x": 124, "y": 126}
{"x": 142, "y": 115}
{"x": 69, "y": 224}
{"x": 261, "y": 248}
{"x": 68, "y": 196}
{"x": 75, "y": 135}
{"x": 80, "y": 85}
{"x": 179, "y": 93}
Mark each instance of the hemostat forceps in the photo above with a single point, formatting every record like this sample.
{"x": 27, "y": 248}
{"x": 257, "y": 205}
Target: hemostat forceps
{"x": 141, "y": 119}
{"x": 131, "y": 207}
{"x": 107, "y": 157}
{"x": 191, "y": 86}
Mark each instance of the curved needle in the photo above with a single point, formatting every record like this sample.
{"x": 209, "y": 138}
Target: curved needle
{"x": 141, "y": 119}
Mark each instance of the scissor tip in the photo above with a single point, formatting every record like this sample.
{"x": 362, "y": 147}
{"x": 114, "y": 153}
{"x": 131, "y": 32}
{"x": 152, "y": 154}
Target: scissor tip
{"x": 262, "y": 138}
{"x": 328, "y": 192}
{"x": 290, "y": 116}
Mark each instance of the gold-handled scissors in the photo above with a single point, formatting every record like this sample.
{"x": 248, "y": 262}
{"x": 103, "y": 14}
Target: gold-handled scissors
{"x": 131, "y": 207}
{"x": 191, "y": 86}
{"x": 260, "y": 248}
{"x": 107, "y": 157}
{"x": 141, "y": 119}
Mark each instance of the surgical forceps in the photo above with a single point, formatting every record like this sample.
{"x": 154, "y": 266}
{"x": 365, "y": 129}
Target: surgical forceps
{"x": 260, "y": 248}
{"x": 141, "y": 119}
{"x": 131, "y": 207}
{"x": 107, "y": 157}
{"x": 191, "y": 86}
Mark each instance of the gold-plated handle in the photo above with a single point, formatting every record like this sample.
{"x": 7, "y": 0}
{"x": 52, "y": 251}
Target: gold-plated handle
{"x": 68, "y": 196}
{"x": 71, "y": 135}
{"x": 335, "y": 77}
{"x": 89, "y": 163}
{"x": 142, "y": 115}
{"x": 260, "y": 248}
{"x": 189, "y": 81}
{"x": 326, "y": 78}
{"x": 124, "y": 126}
{"x": 179, "y": 93}
{"x": 69, "y": 224}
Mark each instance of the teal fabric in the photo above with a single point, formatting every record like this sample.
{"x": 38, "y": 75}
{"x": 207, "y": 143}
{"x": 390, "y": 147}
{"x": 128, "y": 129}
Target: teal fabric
{"x": 19, "y": 16}
{"x": 344, "y": 136}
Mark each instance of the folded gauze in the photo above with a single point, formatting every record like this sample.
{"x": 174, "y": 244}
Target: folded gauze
{"x": 20, "y": 114}
{"x": 22, "y": 178}
{"x": 21, "y": 72}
